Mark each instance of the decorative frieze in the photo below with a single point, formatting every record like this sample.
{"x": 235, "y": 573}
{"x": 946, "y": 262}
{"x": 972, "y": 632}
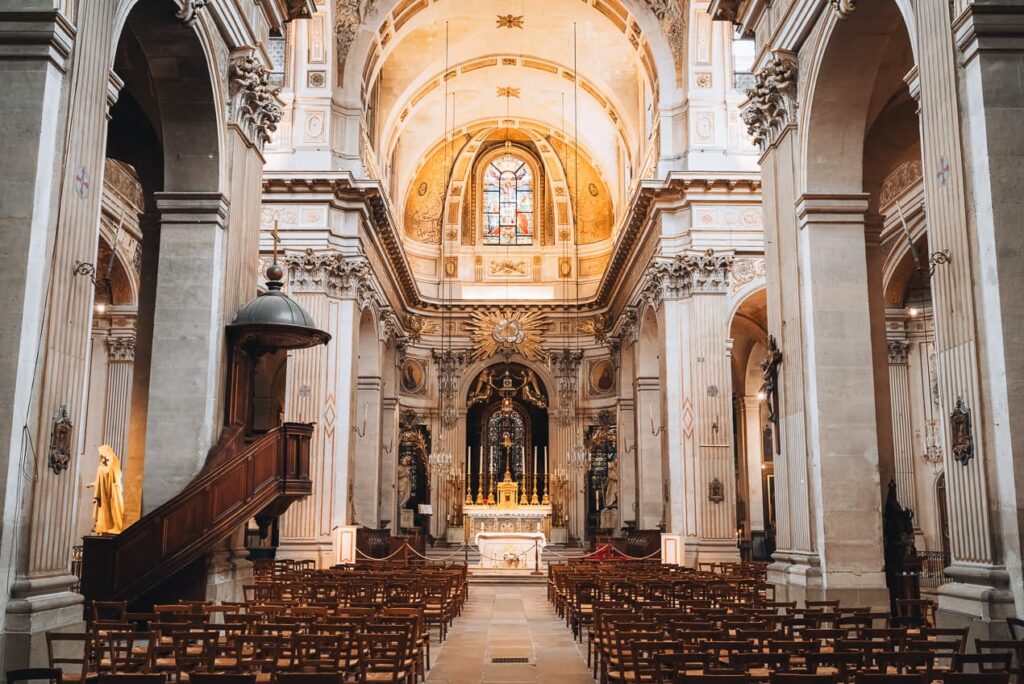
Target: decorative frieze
{"x": 899, "y": 181}
{"x": 337, "y": 275}
{"x": 255, "y": 106}
{"x": 771, "y": 103}
{"x": 746, "y": 271}
{"x": 348, "y": 16}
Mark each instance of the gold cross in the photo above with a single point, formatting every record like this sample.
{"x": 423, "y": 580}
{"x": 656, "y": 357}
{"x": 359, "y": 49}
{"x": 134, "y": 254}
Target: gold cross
{"x": 276, "y": 235}
{"x": 510, "y": 21}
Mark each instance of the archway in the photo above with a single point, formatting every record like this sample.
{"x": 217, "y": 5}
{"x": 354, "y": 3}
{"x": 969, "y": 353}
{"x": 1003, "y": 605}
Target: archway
{"x": 165, "y": 126}
{"x": 507, "y": 429}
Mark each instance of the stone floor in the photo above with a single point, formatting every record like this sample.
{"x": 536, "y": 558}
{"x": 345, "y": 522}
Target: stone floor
{"x": 509, "y": 621}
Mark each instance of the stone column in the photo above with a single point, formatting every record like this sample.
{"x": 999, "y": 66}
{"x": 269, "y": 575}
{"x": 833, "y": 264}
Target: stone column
{"x": 979, "y": 336}
{"x": 842, "y": 445}
{"x": 902, "y": 425}
{"x": 187, "y": 351}
{"x": 698, "y": 398}
{"x": 627, "y": 433}
{"x": 366, "y": 447}
{"x": 750, "y": 414}
{"x": 320, "y": 389}
{"x": 120, "y": 362}
{"x": 49, "y": 216}
{"x": 650, "y": 478}
{"x": 388, "y": 460}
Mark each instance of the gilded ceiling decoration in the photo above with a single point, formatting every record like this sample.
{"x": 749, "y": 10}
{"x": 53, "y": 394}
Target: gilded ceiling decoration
{"x": 505, "y": 91}
{"x": 594, "y": 220}
{"x": 425, "y": 200}
{"x": 506, "y": 332}
{"x": 510, "y": 21}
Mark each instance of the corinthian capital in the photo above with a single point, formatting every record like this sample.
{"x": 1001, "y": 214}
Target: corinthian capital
{"x": 254, "y": 101}
{"x": 686, "y": 274}
{"x": 121, "y": 348}
{"x": 771, "y": 103}
{"x": 336, "y": 275}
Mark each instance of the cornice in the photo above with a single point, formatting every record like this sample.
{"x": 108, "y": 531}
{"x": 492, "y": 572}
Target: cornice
{"x": 383, "y": 229}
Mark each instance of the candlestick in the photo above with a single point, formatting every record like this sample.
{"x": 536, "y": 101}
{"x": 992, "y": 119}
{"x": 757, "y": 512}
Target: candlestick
{"x": 534, "y": 500}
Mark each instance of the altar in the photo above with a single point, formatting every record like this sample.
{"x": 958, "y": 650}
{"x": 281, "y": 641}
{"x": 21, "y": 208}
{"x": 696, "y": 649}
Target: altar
{"x": 517, "y": 519}
{"x": 510, "y": 550}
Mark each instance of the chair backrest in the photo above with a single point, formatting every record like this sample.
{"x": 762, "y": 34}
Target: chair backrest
{"x": 232, "y": 678}
{"x": 792, "y": 678}
{"x": 309, "y": 678}
{"x": 873, "y": 678}
{"x": 713, "y": 679}
{"x": 35, "y": 674}
{"x": 1016, "y": 627}
{"x": 975, "y": 678}
{"x": 983, "y": 663}
{"x": 59, "y": 647}
{"x": 132, "y": 678}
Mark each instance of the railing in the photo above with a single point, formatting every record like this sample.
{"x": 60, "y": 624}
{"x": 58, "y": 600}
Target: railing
{"x": 241, "y": 480}
{"x": 932, "y": 565}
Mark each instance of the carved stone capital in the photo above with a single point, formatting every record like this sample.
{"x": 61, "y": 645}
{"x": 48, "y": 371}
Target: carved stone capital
{"x": 898, "y": 351}
{"x": 337, "y": 275}
{"x": 255, "y": 107}
{"x": 686, "y": 274}
{"x": 771, "y": 103}
{"x": 391, "y": 326}
{"x": 121, "y": 348}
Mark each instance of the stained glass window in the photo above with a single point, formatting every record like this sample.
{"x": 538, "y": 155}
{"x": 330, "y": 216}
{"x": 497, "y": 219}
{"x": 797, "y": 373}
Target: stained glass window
{"x": 508, "y": 202}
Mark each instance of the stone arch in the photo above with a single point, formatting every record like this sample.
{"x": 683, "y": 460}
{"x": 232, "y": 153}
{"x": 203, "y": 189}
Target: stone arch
{"x": 837, "y": 102}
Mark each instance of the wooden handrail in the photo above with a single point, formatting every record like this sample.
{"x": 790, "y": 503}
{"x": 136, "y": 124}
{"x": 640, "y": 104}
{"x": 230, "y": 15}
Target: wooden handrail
{"x": 240, "y": 481}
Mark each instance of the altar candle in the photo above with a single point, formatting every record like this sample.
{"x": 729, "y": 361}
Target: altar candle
{"x": 534, "y": 460}
{"x": 546, "y": 460}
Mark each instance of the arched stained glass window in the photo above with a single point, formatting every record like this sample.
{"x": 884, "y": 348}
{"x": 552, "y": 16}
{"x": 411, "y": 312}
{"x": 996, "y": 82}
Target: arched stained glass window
{"x": 508, "y": 202}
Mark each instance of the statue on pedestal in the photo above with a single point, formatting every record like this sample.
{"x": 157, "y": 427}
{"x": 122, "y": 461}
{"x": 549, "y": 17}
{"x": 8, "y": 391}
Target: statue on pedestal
{"x": 108, "y": 494}
{"x": 404, "y": 482}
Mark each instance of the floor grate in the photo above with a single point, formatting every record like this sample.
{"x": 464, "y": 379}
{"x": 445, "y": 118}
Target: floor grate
{"x": 510, "y": 660}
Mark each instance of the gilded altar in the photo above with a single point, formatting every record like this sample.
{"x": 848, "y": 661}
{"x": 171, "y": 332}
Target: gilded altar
{"x": 518, "y": 519}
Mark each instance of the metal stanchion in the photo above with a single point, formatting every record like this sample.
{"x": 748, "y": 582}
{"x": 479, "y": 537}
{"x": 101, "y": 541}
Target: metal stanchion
{"x": 536, "y": 559}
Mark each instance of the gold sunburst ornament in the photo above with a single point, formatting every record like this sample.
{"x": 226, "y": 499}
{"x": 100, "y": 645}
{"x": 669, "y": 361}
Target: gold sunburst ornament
{"x": 510, "y": 21}
{"x": 506, "y": 332}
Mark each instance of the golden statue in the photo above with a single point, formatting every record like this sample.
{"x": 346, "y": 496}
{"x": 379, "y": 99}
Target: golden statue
{"x": 483, "y": 388}
{"x": 108, "y": 494}
{"x": 531, "y": 390}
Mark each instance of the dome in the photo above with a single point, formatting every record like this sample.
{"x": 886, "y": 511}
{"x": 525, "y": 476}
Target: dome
{"x": 274, "y": 321}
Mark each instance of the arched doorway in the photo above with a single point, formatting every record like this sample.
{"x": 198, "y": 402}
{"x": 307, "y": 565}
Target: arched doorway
{"x": 507, "y": 430}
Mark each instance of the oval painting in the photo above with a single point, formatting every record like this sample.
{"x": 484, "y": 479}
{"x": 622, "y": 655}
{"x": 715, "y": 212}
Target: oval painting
{"x": 602, "y": 377}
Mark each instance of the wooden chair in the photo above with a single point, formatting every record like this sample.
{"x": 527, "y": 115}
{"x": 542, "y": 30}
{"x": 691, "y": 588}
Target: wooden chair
{"x": 712, "y": 679}
{"x": 309, "y": 678}
{"x": 132, "y": 678}
{"x": 672, "y": 666}
{"x": 384, "y": 661}
{"x": 126, "y": 652}
{"x": 795, "y": 678}
{"x": 34, "y": 674}
{"x": 221, "y": 678}
{"x": 1016, "y": 628}
{"x": 983, "y": 663}
{"x": 76, "y": 667}
{"x": 975, "y": 678}
{"x": 877, "y": 678}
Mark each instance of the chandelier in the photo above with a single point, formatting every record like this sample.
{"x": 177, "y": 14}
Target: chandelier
{"x": 440, "y": 463}
{"x": 579, "y": 458}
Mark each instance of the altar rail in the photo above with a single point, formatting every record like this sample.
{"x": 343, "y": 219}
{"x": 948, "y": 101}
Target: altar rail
{"x": 241, "y": 480}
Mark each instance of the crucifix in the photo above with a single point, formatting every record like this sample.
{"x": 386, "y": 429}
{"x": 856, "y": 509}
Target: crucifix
{"x": 770, "y": 389}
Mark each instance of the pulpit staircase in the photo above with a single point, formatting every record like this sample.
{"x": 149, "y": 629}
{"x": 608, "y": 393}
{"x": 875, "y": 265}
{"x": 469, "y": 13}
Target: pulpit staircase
{"x": 245, "y": 477}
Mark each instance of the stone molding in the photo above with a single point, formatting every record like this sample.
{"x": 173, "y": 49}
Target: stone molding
{"x": 771, "y": 104}
{"x": 391, "y": 329}
{"x": 330, "y": 273}
{"x": 255, "y": 107}
{"x": 121, "y": 348}
{"x": 684, "y": 275}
